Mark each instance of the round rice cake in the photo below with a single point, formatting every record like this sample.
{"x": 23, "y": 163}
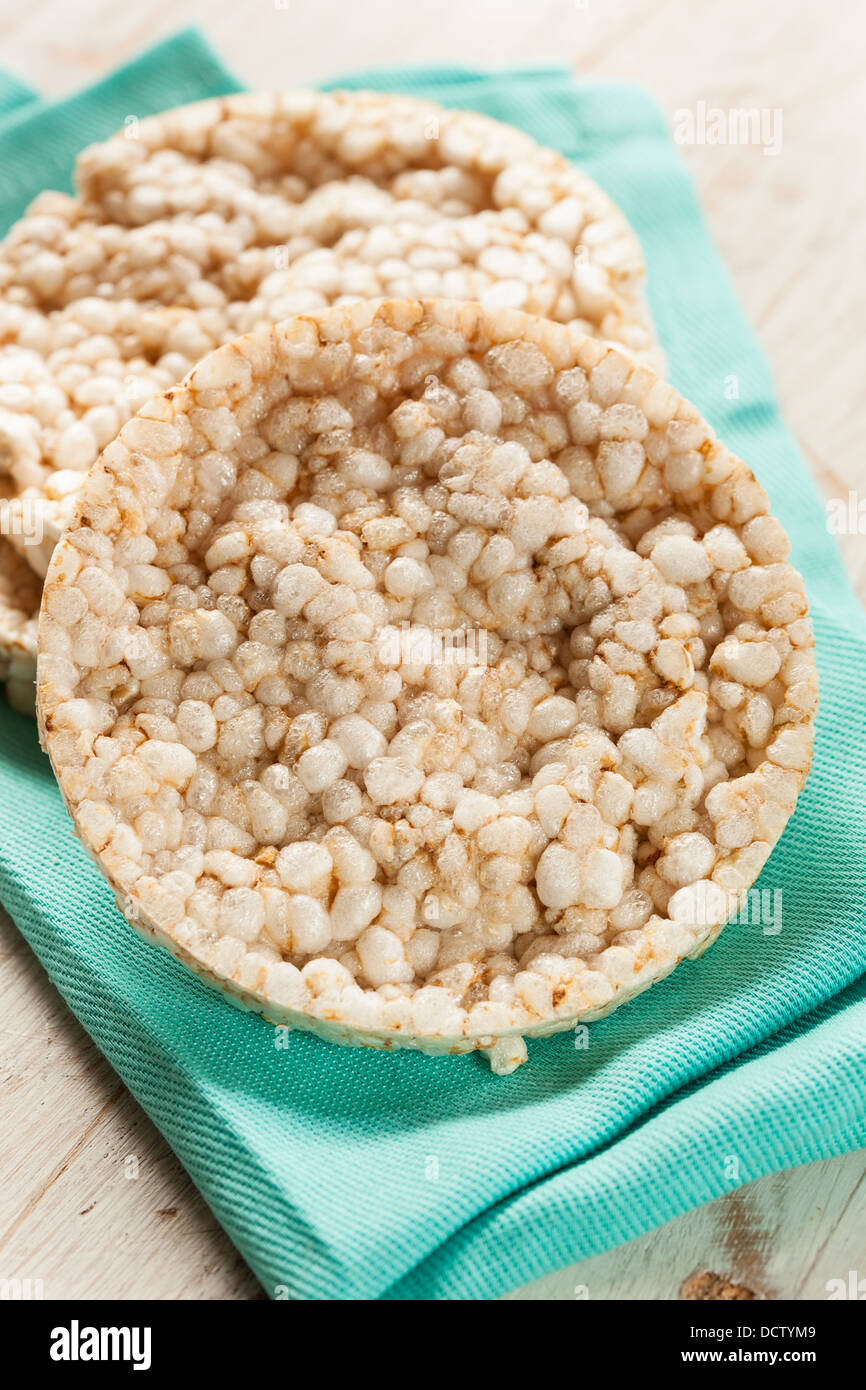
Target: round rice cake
{"x": 186, "y": 227}
{"x": 370, "y": 715}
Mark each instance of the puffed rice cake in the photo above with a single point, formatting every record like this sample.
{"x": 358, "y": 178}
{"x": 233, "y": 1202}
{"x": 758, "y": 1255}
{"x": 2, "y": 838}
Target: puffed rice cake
{"x": 426, "y": 676}
{"x": 199, "y": 224}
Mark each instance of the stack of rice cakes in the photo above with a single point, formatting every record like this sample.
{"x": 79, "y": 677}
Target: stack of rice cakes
{"x": 219, "y": 217}
{"x": 289, "y": 777}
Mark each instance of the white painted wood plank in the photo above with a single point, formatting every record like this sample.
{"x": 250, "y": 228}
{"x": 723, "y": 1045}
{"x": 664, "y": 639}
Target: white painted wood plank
{"x": 784, "y": 1236}
{"x": 69, "y": 1214}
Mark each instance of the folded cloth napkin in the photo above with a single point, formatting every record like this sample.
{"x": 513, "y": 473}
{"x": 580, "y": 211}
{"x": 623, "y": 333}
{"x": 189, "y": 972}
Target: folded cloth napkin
{"x": 354, "y": 1174}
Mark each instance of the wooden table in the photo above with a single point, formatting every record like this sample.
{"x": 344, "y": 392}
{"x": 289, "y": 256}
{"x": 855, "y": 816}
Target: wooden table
{"x": 791, "y": 228}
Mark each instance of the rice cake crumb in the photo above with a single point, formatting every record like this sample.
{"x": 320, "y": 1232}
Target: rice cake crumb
{"x": 707, "y": 1286}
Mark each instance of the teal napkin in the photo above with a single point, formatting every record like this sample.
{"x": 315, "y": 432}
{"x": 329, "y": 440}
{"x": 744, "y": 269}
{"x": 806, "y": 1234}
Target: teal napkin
{"x": 14, "y": 94}
{"x": 343, "y": 1174}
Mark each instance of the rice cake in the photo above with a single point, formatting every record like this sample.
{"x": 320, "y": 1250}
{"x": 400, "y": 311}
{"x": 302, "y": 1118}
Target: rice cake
{"x": 426, "y": 676}
{"x": 186, "y": 228}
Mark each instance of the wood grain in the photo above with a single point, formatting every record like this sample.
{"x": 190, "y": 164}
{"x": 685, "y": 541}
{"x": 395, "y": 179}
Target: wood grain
{"x": 791, "y": 228}
{"x": 784, "y": 1236}
{"x": 92, "y": 1201}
